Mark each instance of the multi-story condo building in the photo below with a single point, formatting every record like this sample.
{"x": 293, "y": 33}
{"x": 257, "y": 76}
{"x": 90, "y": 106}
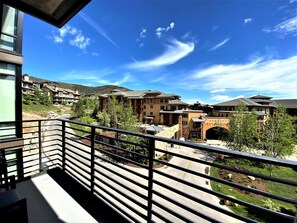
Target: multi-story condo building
{"x": 60, "y": 95}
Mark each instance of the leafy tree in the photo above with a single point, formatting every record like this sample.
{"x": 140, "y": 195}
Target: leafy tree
{"x": 278, "y": 137}
{"x": 103, "y": 118}
{"x": 242, "y": 129}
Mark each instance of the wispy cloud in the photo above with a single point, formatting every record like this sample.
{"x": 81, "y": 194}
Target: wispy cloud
{"x": 248, "y": 20}
{"x": 219, "y": 98}
{"x": 271, "y": 76}
{"x": 161, "y": 30}
{"x": 174, "y": 52}
{"x": 219, "y": 44}
{"x": 100, "y": 30}
{"x": 217, "y": 91}
{"x": 158, "y": 79}
{"x": 125, "y": 79}
{"x": 284, "y": 28}
{"x": 87, "y": 75}
{"x": 142, "y": 35}
{"x": 192, "y": 101}
{"x": 74, "y": 36}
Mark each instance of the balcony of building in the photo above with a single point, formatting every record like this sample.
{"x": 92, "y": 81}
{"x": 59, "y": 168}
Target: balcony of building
{"x": 70, "y": 171}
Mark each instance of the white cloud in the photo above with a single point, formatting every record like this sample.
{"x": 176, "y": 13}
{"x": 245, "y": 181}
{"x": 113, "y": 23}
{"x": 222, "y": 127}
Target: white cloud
{"x": 271, "y": 76}
{"x": 142, "y": 35}
{"x": 95, "y": 54}
{"x": 161, "y": 30}
{"x": 125, "y": 79}
{"x": 80, "y": 41}
{"x": 218, "y": 91}
{"x": 101, "y": 31}
{"x": 248, "y": 20}
{"x": 220, "y": 98}
{"x": 192, "y": 101}
{"x": 174, "y": 52}
{"x": 74, "y": 36}
{"x": 219, "y": 44}
{"x": 284, "y": 28}
{"x": 58, "y": 39}
{"x": 93, "y": 75}
{"x": 158, "y": 79}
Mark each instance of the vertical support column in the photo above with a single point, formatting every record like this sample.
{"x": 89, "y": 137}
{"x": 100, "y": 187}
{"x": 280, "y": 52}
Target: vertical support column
{"x": 63, "y": 146}
{"x": 150, "y": 179}
{"x": 92, "y": 158}
{"x": 40, "y": 145}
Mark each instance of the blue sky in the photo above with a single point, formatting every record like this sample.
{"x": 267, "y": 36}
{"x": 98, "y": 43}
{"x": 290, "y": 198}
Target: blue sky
{"x": 203, "y": 50}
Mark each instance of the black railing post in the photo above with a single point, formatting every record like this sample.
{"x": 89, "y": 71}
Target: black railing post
{"x": 40, "y": 145}
{"x": 63, "y": 146}
{"x": 92, "y": 158}
{"x": 150, "y": 179}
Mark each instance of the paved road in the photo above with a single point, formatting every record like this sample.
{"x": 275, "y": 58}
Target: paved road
{"x": 100, "y": 172}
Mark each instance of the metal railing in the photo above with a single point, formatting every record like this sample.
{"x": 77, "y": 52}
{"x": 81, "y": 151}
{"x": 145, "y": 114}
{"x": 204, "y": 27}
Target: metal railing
{"x": 153, "y": 179}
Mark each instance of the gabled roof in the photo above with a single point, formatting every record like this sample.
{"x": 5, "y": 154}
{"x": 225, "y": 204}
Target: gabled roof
{"x": 288, "y": 103}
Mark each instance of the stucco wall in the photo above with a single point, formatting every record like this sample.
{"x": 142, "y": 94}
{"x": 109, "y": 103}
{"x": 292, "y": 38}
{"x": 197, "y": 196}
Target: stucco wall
{"x": 168, "y": 133}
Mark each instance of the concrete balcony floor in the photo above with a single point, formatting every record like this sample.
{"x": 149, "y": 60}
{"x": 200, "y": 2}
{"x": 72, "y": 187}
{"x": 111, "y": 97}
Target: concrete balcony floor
{"x": 55, "y": 197}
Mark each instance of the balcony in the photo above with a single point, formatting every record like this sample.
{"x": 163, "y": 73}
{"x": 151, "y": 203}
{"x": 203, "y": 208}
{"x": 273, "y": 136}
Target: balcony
{"x": 113, "y": 175}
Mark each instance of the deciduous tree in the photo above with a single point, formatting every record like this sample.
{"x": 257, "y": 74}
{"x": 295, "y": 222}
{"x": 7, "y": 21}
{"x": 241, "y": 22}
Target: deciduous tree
{"x": 279, "y": 135}
{"x": 242, "y": 129}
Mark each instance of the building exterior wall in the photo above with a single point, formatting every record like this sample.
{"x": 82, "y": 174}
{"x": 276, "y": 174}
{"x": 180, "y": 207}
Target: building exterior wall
{"x": 11, "y": 60}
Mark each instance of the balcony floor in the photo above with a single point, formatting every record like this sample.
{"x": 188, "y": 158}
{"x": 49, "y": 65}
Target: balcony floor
{"x": 49, "y": 201}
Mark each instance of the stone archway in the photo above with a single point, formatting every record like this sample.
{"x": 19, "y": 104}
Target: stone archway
{"x": 216, "y": 133}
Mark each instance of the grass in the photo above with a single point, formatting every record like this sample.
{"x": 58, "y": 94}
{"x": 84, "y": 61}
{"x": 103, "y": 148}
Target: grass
{"x": 41, "y": 110}
{"x": 271, "y": 187}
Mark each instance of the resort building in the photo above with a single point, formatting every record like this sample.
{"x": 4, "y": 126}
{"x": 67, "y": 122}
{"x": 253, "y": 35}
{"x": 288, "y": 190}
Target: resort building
{"x": 146, "y": 104}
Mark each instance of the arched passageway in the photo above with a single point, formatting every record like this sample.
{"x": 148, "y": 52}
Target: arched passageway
{"x": 216, "y": 133}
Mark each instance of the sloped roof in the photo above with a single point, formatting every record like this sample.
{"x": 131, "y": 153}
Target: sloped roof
{"x": 177, "y": 102}
{"x": 172, "y": 112}
{"x": 288, "y": 103}
{"x": 258, "y": 96}
{"x": 154, "y": 128}
{"x": 237, "y": 101}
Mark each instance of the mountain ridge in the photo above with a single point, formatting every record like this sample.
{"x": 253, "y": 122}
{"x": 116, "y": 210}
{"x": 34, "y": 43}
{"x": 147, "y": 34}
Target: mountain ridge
{"x": 82, "y": 89}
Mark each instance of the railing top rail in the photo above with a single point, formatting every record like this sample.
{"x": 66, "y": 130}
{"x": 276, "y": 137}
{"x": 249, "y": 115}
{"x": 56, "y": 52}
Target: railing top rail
{"x": 244, "y": 155}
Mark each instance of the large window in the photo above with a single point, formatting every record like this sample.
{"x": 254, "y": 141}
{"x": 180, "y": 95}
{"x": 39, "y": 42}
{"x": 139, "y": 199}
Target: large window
{"x": 7, "y": 97}
{"x": 8, "y": 28}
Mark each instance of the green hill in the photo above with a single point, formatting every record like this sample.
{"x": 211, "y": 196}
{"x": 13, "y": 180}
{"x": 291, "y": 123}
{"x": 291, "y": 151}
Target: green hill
{"x": 82, "y": 89}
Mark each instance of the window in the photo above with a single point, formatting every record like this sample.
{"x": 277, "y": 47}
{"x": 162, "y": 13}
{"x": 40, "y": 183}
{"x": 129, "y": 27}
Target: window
{"x": 151, "y": 113}
{"x": 161, "y": 100}
{"x": 144, "y": 113}
{"x": 144, "y": 100}
{"x": 9, "y": 29}
{"x": 151, "y": 106}
{"x": 7, "y": 95}
{"x": 144, "y": 107}
{"x": 162, "y": 107}
{"x": 185, "y": 115}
